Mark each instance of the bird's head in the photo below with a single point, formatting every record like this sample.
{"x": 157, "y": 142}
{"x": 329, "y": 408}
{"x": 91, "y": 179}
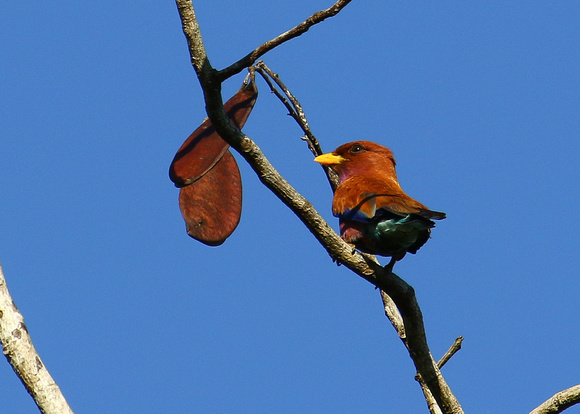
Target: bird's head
{"x": 360, "y": 157}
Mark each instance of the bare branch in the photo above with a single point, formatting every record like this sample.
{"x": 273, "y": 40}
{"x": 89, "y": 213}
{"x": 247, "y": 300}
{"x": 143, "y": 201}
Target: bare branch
{"x": 431, "y": 402}
{"x": 291, "y": 103}
{"x": 402, "y": 294}
{"x": 559, "y": 401}
{"x": 25, "y": 361}
{"x": 392, "y": 312}
{"x": 192, "y": 34}
{"x": 450, "y": 352}
{"x": 295, "y": 111}
{"x": 303, "y": 27}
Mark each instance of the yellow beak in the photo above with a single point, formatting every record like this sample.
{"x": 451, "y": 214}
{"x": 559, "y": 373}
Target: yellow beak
{"x": 329, "y": 159}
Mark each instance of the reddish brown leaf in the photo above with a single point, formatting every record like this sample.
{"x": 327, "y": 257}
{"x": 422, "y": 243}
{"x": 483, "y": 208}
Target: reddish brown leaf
{"x": 204, "y": 147}
{"x": 212, "y": 205}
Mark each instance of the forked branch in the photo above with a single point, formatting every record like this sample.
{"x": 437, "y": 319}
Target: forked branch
{"x": 402, "y": 294}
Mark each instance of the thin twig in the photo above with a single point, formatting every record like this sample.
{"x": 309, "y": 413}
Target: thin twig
{"x": 450, "y": 352}
{"x": 296, "y": 31}
{"x": 295, "y": 111}
{"x": 293, "y": 105}
{"x": 25, "y": 361}
{"x": 431, "y": 402}
{"x": 283, "y": 97}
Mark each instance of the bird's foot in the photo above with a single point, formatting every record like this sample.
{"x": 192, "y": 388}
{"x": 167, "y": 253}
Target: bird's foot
{"x": 391, "y": 264}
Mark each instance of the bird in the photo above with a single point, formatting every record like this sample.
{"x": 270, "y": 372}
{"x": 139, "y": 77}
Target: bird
{"x": 375, "y": 215}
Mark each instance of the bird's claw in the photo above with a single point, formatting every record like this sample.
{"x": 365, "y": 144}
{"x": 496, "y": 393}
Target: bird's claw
{"x": 390, "y": 265}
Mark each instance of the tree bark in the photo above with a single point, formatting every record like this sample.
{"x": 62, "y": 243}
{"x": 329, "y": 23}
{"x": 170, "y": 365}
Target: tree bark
{"x": 559, "y": 401}
{"x": 25, "y": 361}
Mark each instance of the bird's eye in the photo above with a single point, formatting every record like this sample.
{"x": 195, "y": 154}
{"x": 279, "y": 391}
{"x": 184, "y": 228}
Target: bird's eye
{"x": 356, "y": 148}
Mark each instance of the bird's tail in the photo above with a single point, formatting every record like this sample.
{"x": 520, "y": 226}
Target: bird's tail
{"x": 435, "y": 215}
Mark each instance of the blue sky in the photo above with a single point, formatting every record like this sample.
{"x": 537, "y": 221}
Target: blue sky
{"x": 480, "y": 104}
